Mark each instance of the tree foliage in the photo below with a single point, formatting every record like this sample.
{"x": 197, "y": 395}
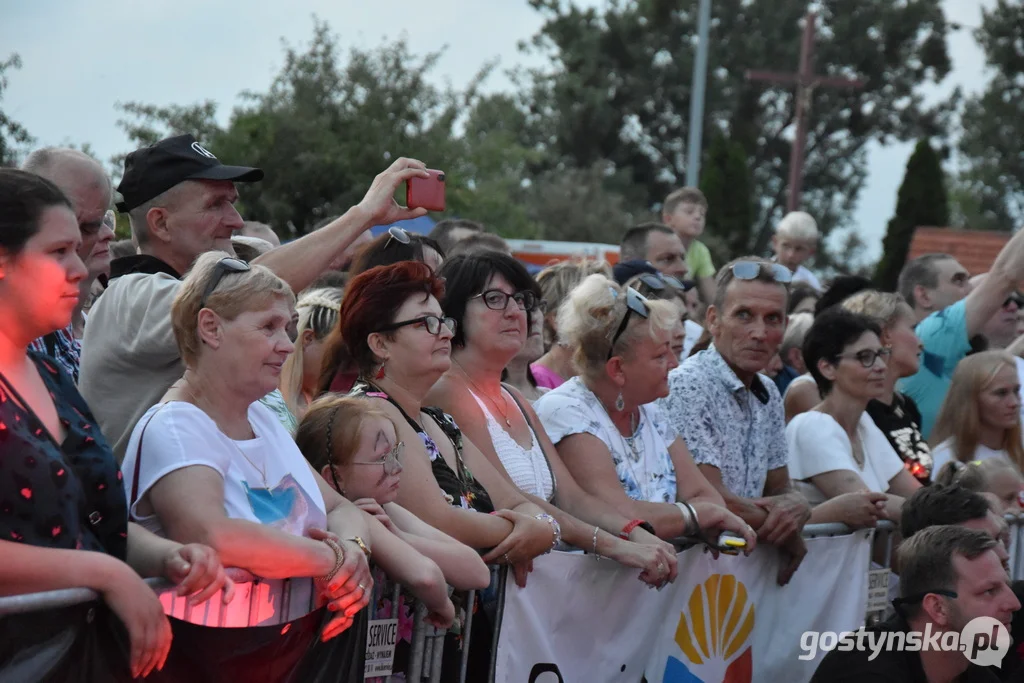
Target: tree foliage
{"x": 616, "y": 89}
{"x": 990, "y": 190}
{"x": 726, "y": 182}
{"x": 13, "y": 136}
{"x": 921, "y": 202}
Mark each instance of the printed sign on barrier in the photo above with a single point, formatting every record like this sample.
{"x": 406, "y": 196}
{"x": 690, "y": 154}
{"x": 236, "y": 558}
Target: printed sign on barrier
{"x": 380, "y": 647}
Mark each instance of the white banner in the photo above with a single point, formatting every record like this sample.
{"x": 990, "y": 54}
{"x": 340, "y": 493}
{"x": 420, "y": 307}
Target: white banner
{"x": 722, "y": 621}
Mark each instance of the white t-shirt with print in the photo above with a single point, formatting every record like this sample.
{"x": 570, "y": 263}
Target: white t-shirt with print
{"x": 818, "y": 444}
{"x": 642, "y": 462}
{"x": 943, "y": 453}
{"x": 180, "y": 435}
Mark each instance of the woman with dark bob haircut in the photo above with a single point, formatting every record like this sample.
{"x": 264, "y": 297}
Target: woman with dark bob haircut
{"x": 392, "y": 326}
{"x": 490, "y": 296}
{"x": 839, "y": 458}
{"x": 64, "y": 522}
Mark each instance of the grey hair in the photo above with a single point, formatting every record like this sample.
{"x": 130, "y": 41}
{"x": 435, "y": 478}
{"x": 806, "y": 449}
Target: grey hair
{"x": 921, "y": 271}
{"x": 137, "y": 217}
{"x": 49, "y": 162}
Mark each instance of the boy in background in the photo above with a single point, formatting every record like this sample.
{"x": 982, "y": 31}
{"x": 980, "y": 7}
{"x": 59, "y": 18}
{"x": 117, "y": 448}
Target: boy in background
{"x": 795, "y": 241}
{"x": 685, "y": 211}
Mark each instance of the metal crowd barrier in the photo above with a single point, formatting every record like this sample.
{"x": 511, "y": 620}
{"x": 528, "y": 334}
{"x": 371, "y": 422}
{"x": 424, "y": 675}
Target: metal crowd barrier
{"x": 427, "y": 647}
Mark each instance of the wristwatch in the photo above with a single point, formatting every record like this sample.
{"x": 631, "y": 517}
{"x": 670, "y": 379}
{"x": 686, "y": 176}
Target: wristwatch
{"x": 362, "y": 546}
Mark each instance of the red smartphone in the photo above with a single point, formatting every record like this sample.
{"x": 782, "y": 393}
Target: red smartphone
{"x": 427, "y": 193}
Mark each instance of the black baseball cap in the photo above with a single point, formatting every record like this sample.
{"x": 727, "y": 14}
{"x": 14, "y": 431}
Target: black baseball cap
{"x": 153, "y": 170}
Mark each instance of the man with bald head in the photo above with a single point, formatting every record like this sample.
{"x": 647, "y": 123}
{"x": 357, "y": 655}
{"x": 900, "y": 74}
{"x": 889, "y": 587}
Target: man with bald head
{"x": 88, "y": 186}
{"x": 260, "y": 231}
{"x": 180, "y": 201}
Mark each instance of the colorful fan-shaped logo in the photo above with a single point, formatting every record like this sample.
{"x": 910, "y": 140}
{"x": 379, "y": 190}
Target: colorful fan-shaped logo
{"x": 714, "y": 635}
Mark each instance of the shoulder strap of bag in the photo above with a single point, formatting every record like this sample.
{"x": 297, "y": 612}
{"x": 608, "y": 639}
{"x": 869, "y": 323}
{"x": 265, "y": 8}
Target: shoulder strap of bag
{"x": 138, "y": 458}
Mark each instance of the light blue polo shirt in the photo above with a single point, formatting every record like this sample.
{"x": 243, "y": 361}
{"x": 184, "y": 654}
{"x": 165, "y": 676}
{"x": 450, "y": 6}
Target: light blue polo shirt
{"x": 944, "y": 335}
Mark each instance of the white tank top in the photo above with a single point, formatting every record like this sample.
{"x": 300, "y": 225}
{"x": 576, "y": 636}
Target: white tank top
{"x": 528, "y": 469}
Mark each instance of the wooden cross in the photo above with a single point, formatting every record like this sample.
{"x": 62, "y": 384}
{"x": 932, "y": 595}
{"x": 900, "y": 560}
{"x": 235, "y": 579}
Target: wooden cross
{"x": 806, "y": 81}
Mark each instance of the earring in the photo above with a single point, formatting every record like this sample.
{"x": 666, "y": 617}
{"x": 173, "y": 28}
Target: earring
{"x": 380, "y": 371}
{"x": 619, "y": 403}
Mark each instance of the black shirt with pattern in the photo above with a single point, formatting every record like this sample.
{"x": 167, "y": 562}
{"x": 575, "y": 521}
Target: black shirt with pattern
{"x": 66, "y": 495}
{"x": 901, "y": 424}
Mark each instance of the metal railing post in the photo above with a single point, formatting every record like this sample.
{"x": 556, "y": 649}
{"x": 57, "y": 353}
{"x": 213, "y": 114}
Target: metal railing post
{"x": 466, "y": 629}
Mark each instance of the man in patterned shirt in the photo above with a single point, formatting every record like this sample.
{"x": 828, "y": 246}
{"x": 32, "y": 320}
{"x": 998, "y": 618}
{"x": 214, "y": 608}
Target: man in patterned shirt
{"x": 731, "y": 417}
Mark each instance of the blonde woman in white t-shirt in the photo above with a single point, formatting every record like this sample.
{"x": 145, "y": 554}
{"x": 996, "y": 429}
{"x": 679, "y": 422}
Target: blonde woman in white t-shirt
{"x": 841, "y": 461}
{"x": 980, "y": 417}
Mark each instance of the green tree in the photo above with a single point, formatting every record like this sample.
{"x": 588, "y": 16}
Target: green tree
{"x": 328, "y": 124}
{"x": 13, "y": 136}
{"x": 991, "y": 186}
{"x": 616, "y": 89}
{"x": 921, "y": 202}
{"x": 725, "y": 181}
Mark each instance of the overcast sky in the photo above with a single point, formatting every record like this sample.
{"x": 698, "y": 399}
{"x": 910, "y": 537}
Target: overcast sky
{"x": 80, "y": 57}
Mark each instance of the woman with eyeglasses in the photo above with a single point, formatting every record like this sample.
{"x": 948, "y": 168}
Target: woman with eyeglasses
{"x": 980, "y": 416}
{"x": 64, "y": 520}
{"x": 615, "y": 442}
{"x": 392, "y": 325}
{"x": 394, "y": 246}
{"x": 839, "y": 458}
{"x": 490, "y": 296}
{"x": 894, "y": 412}
{"x": 211, "y": 462}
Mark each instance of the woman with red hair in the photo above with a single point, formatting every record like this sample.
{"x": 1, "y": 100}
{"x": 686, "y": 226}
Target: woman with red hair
{"x": 391, "y": 325}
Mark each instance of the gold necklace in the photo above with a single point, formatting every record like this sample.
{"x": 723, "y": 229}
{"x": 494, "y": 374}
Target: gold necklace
{"x": 503, "y": 413}
{"x": 261, "y": 470}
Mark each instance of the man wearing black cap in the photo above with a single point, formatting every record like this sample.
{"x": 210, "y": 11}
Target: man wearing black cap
{"x": 180, "y": 201}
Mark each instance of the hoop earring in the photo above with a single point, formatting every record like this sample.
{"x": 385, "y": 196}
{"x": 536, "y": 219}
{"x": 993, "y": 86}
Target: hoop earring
{"x": 619, "y": 403}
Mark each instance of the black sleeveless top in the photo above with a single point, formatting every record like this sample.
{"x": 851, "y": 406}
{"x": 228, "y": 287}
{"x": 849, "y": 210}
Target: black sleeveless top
{"x": 66, "y": 495}
{"x": 461, "y": 489}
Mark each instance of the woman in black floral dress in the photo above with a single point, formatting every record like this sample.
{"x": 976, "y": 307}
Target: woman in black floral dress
{"x": 63, "y": 516}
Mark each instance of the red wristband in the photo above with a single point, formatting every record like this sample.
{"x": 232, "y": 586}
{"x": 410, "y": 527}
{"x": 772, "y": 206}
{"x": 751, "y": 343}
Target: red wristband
{"x": 629, "y": 527}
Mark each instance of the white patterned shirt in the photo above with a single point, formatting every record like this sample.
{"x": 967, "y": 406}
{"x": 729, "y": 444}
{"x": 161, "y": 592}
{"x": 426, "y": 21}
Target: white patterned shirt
{"x": 724, "y": 424}
{"x": 641, "y": 461}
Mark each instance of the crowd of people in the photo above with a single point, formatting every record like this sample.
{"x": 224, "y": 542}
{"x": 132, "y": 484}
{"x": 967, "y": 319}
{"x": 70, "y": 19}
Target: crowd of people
{"x": 324, "y": 414}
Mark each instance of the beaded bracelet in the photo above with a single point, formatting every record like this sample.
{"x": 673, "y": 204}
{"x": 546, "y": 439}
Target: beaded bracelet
{"x": 339, "y": 559}
{"x": 555, "y": 527}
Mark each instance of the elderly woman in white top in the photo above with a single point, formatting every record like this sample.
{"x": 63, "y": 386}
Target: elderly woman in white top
{"x": 613, "y": 440}
{"x": 490, "y": 295}
{"x": 842, "y": 462}
{"x": 211, "y": 463}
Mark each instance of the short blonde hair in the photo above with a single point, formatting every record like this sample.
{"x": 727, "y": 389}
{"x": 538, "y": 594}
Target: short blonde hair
{"x": 886, "y": 308}
{"x": 318, "y": 312}
{"x": 798, "y": 225}
{"x": 796, "y": 331}
{"x": 589, "y": 317}
{"x": 236, "y": 293}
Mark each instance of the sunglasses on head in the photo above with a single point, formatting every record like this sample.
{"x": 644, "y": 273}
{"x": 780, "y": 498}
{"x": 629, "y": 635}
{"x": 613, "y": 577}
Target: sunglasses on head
{"x": 635, "y": 303}
{"x": 658, "y": 281}
{"x": 226, "y": 265}
{"x": 398, "y": 234}
{"x": 751, "y": 270}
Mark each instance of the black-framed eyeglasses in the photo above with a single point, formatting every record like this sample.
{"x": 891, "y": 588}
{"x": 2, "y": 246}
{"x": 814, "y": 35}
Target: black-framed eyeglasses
{"x": 635, "y": 303}
{"x": 867, "y": 357}
{"x": 750, "y": 270}
{"x": 497, "y": 300}
{"x": 226, "y": 265}
{"x": 398, "y": 234}
{"x": 392, "y": 460}
{"x": 1014, "y": 299}
{"x": 431, "y": 322}
{"x": 899, "y": 603}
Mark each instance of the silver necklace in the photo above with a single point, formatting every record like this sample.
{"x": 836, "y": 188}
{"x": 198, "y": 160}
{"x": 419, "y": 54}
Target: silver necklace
{"x": 262, "y": 470}
{"x": 629, "y": 446}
